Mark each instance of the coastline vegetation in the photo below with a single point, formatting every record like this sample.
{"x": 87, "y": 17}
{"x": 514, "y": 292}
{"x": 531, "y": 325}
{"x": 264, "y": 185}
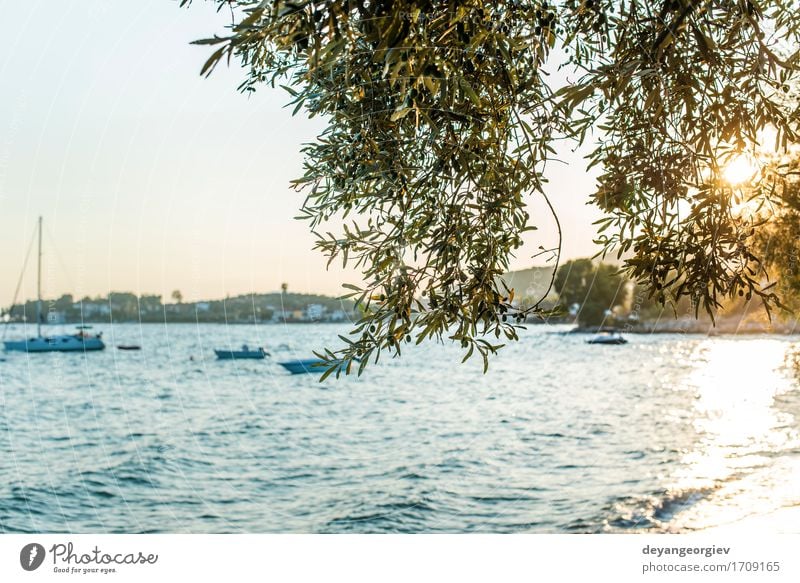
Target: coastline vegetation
{"x": 118, "y": 307}
{"x": 585, "y": 292}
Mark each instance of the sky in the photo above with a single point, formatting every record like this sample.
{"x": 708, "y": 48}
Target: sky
{"x": 151, "y": 178}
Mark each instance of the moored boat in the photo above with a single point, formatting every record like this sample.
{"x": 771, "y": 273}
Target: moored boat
{"x": 607, "y": 337}
{"x": 311, "y": 365}
{"x": 303, "y": 365}
{"x": 244, "y": 353}
{"x": 81, "y": 341}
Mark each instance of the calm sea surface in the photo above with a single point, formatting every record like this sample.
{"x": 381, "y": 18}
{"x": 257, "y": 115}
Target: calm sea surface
{"x": 668, "y": 433}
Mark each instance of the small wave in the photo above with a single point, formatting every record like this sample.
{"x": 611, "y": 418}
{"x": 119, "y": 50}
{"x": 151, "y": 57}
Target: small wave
{"x": 393, "y": 517}
{"x": 500, "y": 499}
{"x": 653, "y": 512}
{"x": 583, "y": 526}
{"x": 557, "y": 435}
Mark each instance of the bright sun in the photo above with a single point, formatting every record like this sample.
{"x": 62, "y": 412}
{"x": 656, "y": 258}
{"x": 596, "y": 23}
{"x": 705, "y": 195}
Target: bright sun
{"x": 740, "y": 169}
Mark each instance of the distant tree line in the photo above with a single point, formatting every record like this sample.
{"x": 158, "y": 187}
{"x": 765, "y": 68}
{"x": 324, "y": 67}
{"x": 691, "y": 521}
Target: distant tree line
{"x": 584, "y": 291}
{"x": 130, "y": 307}
{"x": 591, "y": 292}
{"x": 598, "y": 294}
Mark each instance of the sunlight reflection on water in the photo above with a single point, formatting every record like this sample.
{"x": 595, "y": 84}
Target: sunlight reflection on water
{"x": 740, "y": 432}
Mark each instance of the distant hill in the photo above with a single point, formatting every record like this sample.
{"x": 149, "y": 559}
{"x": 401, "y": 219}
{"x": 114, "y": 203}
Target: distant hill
{"x": 529, "y": 286}
{"x": 130, "y": 307}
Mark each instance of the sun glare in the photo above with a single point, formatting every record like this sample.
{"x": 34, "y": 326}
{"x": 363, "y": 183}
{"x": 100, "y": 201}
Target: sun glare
{"x": 740, "y": 169}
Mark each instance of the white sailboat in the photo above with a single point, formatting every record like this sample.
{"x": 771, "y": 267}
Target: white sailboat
{"x": 80, "y": 341}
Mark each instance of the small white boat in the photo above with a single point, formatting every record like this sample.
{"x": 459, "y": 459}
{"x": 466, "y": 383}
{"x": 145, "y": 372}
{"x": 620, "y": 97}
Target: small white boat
{"x": 607, "y": 337}
{"x": 82, "y": 341}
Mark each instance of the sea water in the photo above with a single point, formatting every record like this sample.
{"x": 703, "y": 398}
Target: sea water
{"x": 668, "y": 433}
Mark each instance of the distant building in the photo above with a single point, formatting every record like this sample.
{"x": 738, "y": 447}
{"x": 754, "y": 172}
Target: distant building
{"x": 338, "y": 316}
{"x": 314, "y": 312}
{"x": 203, "y": 306}
{"x": 56, "y": 317}
{"x": 89, "y": 309}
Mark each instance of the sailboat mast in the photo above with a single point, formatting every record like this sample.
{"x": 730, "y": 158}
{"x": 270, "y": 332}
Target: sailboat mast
{"x": 39, "y": 286}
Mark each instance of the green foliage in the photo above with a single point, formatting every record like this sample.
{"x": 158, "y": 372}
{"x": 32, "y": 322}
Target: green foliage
{"x": 573, "y": 280}
{"x": 644, "y": 307}
{"x": 701, "y": 93}
{"x": 441, "y": 118}
{"x": 778, "y": 213}
{"x": 595, "y": 288}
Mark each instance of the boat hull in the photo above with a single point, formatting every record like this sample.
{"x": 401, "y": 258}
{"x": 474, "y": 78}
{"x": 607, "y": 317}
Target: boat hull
{"x": 241, "y": 354}
{"x": 55, "y": 344}
{"x": 607, "y": 341}
{"x": 310, "y": 365}
{"x": 303, "y": 366}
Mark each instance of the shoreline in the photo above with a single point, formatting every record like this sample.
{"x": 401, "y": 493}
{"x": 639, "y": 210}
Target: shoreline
{"x": 706, "y": 329}
{"x": 785, "y": 520}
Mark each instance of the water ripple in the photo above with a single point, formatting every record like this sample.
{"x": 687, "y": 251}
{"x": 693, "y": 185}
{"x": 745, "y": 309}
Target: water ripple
{"x": 558, "y": 437}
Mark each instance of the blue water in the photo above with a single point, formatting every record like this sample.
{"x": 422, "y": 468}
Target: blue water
{"x": 669, "y": 433}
